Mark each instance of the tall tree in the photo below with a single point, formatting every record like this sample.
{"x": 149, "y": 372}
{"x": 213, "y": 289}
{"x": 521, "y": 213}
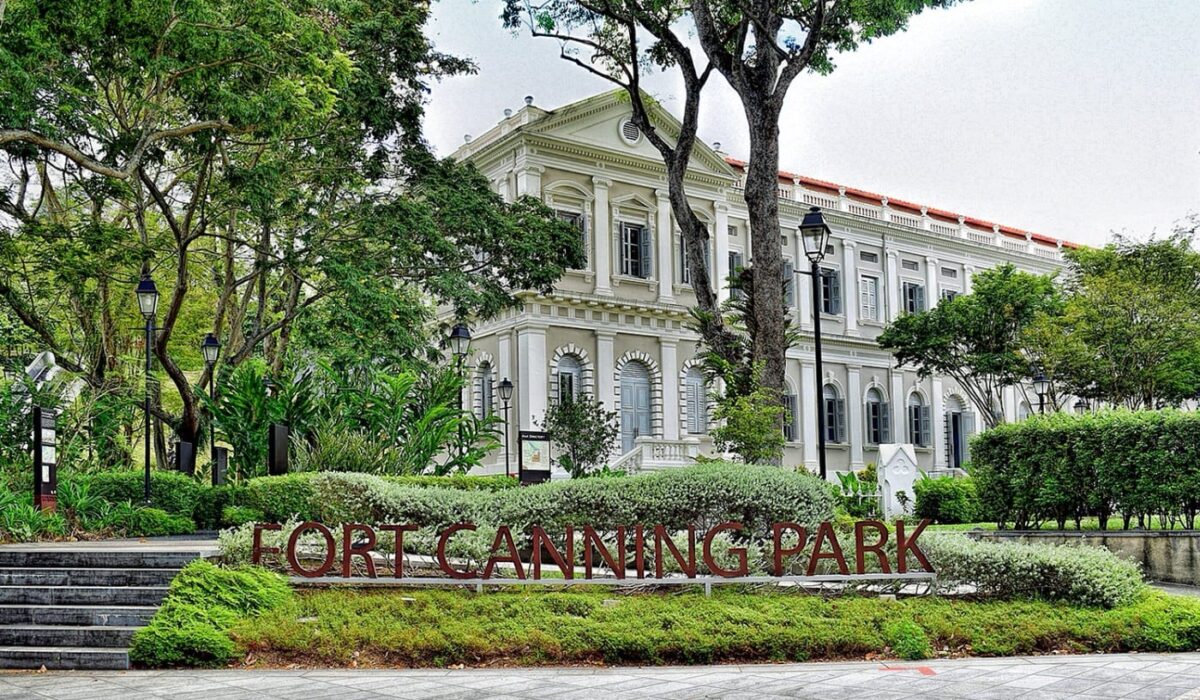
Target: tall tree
{"x": 759, "y": 47}
{"x": 977, "y": 339}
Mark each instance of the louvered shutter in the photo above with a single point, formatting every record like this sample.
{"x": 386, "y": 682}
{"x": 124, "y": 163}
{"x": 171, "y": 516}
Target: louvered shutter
{"x": 920, "y": 292}
{"x": 693, "y": 408}
{"x": 646, "y": 254}
{"x": 840, "y": 420}
{"x": 948, "y": 437}
{"x": 926, "y": 425}
{"x": 968, "y": 424}
{"x": 885, "y": 422}
{"x": 835, "y": 292}
{"x": 685, "y": 273}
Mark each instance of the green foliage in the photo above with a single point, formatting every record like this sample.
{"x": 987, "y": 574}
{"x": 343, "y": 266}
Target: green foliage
{"x": 1083, "y": 575}
{"x": 234, "y": 516}
{"x": 1065, "y": 467}
{"x": 192, "y": 626}
{"x": 858, "y": 494}
{"x": 442, "y": 628}
{"x": 947, "y": 499}
{"x": 583, "y": 432}
{"x": 170, "y": 491}
{"x": 749, "y": 426}
{"x": 977, "y": 338}
{"x": 462, "y": 482}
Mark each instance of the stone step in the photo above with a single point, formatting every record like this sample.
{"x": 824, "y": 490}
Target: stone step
{"x": 94, "y": 559}
{"x": 65, "y": 636}
{"x": 115, "y": 616}
{"x": 64, "y": 658}
{"x": 82, "y": 595}
{"x": 54, "y": 576}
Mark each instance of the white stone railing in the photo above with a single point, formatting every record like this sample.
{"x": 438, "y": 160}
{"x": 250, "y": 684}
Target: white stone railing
{"x": 650, "y": 454}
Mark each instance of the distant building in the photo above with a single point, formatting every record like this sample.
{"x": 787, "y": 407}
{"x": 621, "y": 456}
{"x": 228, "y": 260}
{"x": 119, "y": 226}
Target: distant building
{"x": 616, "y": 329}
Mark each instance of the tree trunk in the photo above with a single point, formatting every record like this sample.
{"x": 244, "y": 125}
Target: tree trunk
{"x": 762, "y": 192}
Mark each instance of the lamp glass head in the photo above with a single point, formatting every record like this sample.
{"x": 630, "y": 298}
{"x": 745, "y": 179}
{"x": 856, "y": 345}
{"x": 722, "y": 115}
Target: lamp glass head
{"x": 815, "y": 234}
{"x": 211, "y": 347}
{"x": 147, "y": 296}
{"x": 506, "y": 389}
{"x": 460, "y": 339}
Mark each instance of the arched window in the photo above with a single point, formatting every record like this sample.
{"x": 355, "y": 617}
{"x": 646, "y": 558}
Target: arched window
{"x": 570, "y": 378}
{"x": 879, "y": 426}
{"x": 696, "y": 401}
{"x": 1024, "y": 410}
{"x": 919, "y": 425}
{"x": 484, "y": 390}
{"x": 835, "y": 414}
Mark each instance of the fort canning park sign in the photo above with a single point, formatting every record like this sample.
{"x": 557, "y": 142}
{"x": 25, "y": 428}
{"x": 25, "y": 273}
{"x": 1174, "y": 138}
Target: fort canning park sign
{"x": 633, "y": 554}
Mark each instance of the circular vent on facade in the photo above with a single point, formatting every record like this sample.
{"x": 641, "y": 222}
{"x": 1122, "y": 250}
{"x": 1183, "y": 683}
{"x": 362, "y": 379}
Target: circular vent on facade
{"x": 630, "y": 132}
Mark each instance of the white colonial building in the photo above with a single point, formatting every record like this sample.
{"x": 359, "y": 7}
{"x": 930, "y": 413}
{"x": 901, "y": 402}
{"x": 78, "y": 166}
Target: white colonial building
{"x": 617, "y": 329}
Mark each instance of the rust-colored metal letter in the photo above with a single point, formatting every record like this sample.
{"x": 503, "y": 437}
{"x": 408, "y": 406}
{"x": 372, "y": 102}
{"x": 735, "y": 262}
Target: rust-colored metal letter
{"x": 257, "y": 550}
{"x": 349, "y": 549}
{"x": 825, "y": 533}
{"x": 542, "y": 541}
{"x": 514, "y": 557}
{"x": 778, "y": 530}
{"x": 743, "y": 567}
{"x": 398, "y": 553}
{"x": 661, "y": 537}
{"x": 639, "y": 550}
{"x": 330, "y": 550}
{"x": 904, "y": 545}
{"x": 592, "y": 541}
{"x": 861, "y": 547}
{"x": 443, "y": 563}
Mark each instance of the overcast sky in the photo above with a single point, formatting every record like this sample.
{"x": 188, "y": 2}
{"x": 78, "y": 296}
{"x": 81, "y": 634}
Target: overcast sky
{"x": 1073, "y": 118}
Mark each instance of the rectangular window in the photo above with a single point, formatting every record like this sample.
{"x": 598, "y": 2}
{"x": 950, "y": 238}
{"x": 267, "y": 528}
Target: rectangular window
{"x": 685, "y": 274}
{"x": 735, "y": 266}
{"x": 789, "y": 284}
{"x": 831, "y": 291}
{"x": 914, "y": 297}
{"x": 577, "y": 220}
{"x": 635, "y": 251}
{"x": 948, "y": 294}
{"x": 868, "y": 257}
{"x": 791, "y": 408}
{"x": 835, "y": 420}
{"x": 910, "y": 265}
{"x": 919, "y": 426}
{"x": 868, "y": 293}
{"x": 733, "y": 231}
{"x": 950, "y": 272}
{"x": 566, "y": 386}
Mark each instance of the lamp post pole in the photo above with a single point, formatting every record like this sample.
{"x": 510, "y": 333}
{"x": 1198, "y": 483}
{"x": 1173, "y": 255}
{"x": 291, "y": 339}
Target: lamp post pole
{"x": 147, "y": 296}
{"x": 460, "y": 342}
{"x": 814, "y": 233}
{"x": 211, "y": 348}
{"x": 506, "y": 390}
{"x": 1041, "y": 385}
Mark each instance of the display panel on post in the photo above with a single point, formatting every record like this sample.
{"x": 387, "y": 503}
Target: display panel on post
{"x": 220, "y": 465}
{"x": 277, "y": 456}
{"x": 533, "y": 456}
{"x": 185, "y": 457}
{"x": 45, "y": 459}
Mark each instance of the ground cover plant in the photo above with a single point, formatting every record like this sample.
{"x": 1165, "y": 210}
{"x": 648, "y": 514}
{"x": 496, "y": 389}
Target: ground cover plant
{"x": 339, "y": 627}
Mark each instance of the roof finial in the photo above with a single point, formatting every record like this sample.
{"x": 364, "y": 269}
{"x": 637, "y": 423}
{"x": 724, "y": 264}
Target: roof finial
{"x": 528, "y": 100}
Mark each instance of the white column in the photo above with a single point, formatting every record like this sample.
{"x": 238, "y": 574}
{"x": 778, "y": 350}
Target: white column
{"x": 504, "y": 355}
{"x": 968, "y": 274}
{"x": 850, "y": 286}
{"x": 721, "y": 236}
{"x": 854, "y": 417}
{"x": 529, "y": 181}
{"x": 893, "y": 286}
{"x": 809, "y": 390}
{"x": 602, "y": 237}
{"x": 804, "y": 287}
{"x": 502, "y": 188}
{"x": 931, "y": 282}
{"x": 938, "y": 418}
{"x": 669, "y": 361}
{"x": 531, "y": 344}
{"x": 665, "y": 267}
{"x": 605, "y": 389}
{"x": 898, "y": 401}
{"x": 1010, "y": 404}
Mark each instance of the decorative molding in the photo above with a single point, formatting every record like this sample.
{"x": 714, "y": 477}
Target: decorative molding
{"x": 586, "y": 367}
{"x": 656, "y": 392}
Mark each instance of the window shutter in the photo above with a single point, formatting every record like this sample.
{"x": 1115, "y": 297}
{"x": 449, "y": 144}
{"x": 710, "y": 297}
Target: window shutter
{"x": 947, "y": 436}
{"x": 789, "y": 284}
{"x": 920, "y": 298}
{"x": 925, "y": 426}
{"x": 693, "y": 408}
{"x": 968, "y": 422}
{"x": 684, "y": 273}
{"x": 623, "y": 243}
{"x": 885, "y": 422}
{"x": 840, "y": 420}
{"x": 835, "y": 291}
{"x": 646, "y": 253}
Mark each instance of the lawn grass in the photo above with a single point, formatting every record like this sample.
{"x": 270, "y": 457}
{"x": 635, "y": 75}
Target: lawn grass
{"x": 340, "y": 627}
{"x": 1087, "y": 524}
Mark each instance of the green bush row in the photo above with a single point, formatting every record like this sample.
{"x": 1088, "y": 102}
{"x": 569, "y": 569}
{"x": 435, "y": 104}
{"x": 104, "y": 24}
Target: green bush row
{"x": 1065, "y": 467}
{"x": 204, "y": 602}
{"x": 947, "y": 500}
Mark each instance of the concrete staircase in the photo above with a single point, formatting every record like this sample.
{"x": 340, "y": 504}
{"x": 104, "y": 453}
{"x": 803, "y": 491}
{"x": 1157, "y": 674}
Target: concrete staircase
{"x": 77, "y": 608}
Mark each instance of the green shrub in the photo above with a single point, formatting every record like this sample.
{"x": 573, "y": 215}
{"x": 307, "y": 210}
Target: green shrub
{"x": 152, "y": 522}
{"x": 192, "y": 626}
{"x": 281, "y": 497}
{"x": 214, "y": 500}
{"x": 947, "y": 500}
{"x": 908, "y": 640}
{"x": 462, "y": 482}
{"x": 173, "y": 492}
{"x": 1081, "y": 575}
{"x": 1064, "y": 467}
{"x": 233, "y": 516}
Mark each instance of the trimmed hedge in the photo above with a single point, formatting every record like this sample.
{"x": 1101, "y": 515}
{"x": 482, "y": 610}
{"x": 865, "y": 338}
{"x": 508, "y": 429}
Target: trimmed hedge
{"x": 173, "y": 492}
{"x": 1065, "y": 467}
{"x": 947, "y": 500}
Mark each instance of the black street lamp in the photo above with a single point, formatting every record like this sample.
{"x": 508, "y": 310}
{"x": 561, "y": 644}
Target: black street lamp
{"x": 460, "y": 343}
{"x": 211, "y": 347}
{"x": 147, "y": 297}
{"x": 815, "y": 234}
{"x": 1042, "y": 386}
{"x": 1082, "y": 406}
{"x": 506, "y": 392}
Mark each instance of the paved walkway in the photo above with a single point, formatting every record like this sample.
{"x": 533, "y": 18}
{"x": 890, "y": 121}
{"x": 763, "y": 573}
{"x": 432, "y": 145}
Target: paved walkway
{"x": 1140, "y": 676}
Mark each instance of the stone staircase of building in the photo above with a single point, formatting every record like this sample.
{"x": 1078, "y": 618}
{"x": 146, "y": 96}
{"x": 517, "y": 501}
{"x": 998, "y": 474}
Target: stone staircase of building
{"x": 65, "y": 608}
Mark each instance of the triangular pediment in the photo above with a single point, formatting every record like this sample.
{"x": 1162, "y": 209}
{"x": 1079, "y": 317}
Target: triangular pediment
{"x": 597, "y": 121}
